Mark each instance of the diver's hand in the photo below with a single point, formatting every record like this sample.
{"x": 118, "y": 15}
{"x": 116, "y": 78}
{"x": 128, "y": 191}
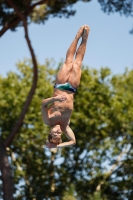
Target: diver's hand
{"x": 50, "y": 145}
{"x": 60, "y": 98}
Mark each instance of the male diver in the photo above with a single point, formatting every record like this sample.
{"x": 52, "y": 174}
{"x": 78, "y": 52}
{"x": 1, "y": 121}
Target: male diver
{"x": 57, "y": 110}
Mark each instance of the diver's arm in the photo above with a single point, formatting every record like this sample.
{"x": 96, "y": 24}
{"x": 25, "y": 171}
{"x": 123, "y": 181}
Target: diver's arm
{"x": 45, "y": 102}
{"x": 44, "y": 110}
{"x": 71, "y": 137}
{"x": 45, "y": 116}
{"x": 60, "y": 98}
{"x": 66, "y": 144}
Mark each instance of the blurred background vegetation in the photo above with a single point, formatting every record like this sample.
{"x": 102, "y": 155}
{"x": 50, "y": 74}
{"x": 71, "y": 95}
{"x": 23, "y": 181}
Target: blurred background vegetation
{"x": 100, "y": 165}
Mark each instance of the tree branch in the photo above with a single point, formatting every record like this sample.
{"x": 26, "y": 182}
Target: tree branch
{"x": 5, "y": 173}
{"x": 111, "y": 171}
{"x": 17, "y": 19}
{"x": 31, "y": 93}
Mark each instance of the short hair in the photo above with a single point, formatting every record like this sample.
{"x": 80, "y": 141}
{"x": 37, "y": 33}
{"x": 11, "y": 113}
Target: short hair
{"x": 56, "y": 140}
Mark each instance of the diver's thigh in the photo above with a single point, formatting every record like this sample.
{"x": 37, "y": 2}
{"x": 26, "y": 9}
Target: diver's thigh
{"x": 75, "y": 76}
{"x": 63, "y": 74}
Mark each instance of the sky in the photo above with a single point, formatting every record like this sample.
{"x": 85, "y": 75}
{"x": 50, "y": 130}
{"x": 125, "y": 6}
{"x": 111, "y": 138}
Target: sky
{"x": 109, "y": 45}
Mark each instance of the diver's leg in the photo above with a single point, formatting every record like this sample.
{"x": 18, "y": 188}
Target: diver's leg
{"x": 65, "y": 71}
{"x": 81, "y": 50}
{"x": 72, "y": 49}
{"x": 75, "y": 75}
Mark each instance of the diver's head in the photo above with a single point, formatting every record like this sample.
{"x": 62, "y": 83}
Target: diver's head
{"x": 55, "y": 135}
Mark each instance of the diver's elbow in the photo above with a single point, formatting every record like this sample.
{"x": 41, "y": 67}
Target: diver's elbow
{"x": 74, "y": 142}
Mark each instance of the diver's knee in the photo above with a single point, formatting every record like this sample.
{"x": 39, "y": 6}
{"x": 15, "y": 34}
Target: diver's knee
{"x": 77, "y": 64}
{"x": 68, "y": 61}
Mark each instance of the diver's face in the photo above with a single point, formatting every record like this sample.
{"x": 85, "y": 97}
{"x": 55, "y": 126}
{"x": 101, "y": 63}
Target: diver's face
{"x": 56, "y": 131}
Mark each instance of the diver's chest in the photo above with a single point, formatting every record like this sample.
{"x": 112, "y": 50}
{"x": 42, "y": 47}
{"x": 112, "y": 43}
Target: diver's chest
{"x": 59, "y": 118}
{"x": 55, "y": 114}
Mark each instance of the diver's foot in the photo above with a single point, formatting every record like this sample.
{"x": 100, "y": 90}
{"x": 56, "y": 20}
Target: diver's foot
{"x": 80, "y": 32}
{"x": 85, "y": 32}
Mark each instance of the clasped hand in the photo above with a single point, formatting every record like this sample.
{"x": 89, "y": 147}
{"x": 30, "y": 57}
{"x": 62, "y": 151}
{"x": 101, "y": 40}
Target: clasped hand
{"x": 50, "y": 145}
{"x": 60, "y": 98}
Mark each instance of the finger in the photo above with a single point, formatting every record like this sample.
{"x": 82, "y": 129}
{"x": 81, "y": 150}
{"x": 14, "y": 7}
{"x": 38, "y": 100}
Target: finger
{"x": 46, "y": 143}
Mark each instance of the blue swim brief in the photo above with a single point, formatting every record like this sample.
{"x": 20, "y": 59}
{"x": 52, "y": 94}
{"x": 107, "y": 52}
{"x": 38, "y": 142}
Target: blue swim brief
{"x": 65, "y": 86}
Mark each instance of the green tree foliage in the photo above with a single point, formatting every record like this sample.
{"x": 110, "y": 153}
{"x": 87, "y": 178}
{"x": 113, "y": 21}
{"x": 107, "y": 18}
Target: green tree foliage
{"x": 18, "y": 13}
{"x": 14, "y": 90}
{"x": 41, "y": 10}
{"x": 100, "y": 165}
{"x": 34, "y": 11}
{"x": 124, "y": 7}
